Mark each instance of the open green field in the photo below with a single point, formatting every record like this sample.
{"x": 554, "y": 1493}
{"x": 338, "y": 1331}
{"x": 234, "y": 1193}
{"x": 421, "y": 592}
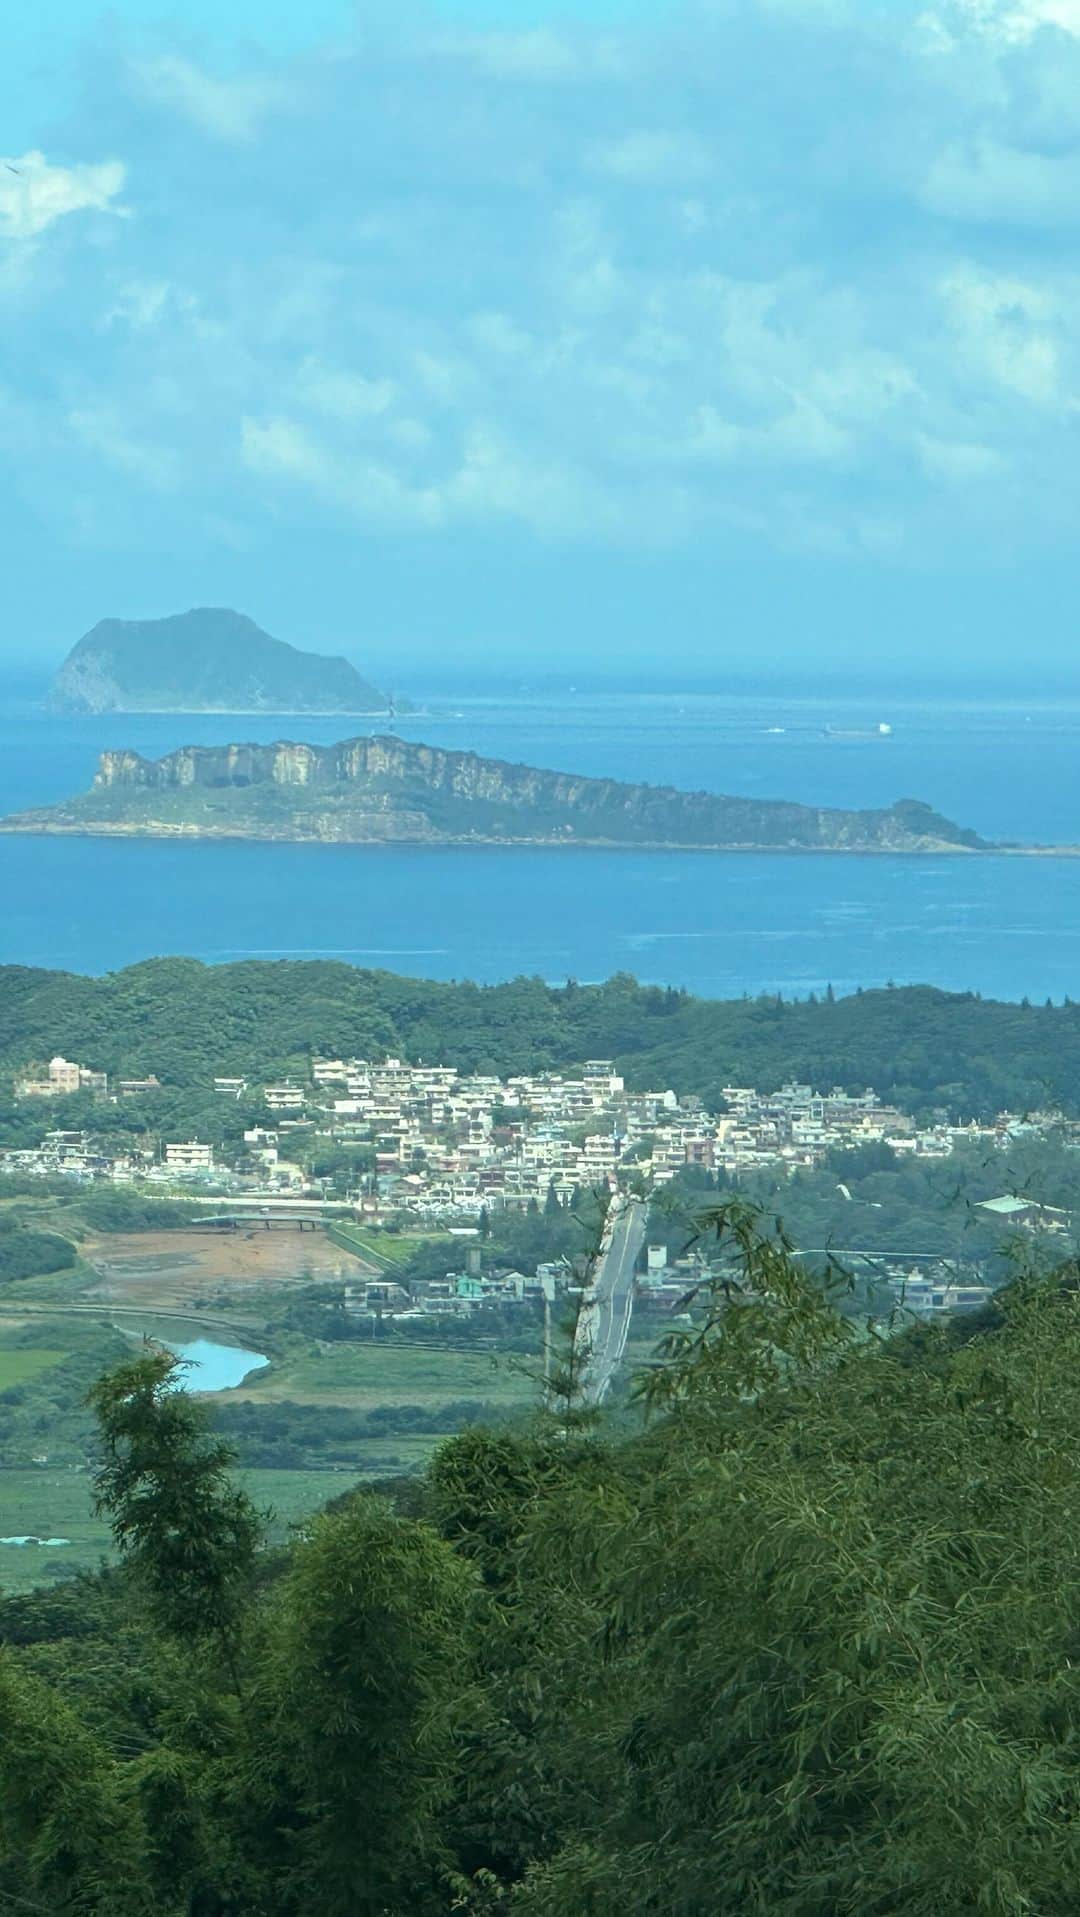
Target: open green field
{"x": 17, "y": 1366}
{"x": 53, "y": 1359}
{"x": 40, "y": 1502}
{"x": 364, "y": 1376}
{"x": 384, "y": 1248}
{"x": 55, "y": 1287}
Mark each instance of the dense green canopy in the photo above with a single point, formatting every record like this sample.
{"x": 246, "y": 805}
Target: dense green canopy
{"x": 804, "y": 1640}
{"x": 186, "y": 1021}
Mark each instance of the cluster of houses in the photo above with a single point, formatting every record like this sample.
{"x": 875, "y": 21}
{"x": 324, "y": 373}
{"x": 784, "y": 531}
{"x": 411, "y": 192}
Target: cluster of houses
{"x": 63, "y": 1077}
{"x": 663, "y": 1285}
{"x": 446, "y": 1147}
{"x": 437, "y": 1143}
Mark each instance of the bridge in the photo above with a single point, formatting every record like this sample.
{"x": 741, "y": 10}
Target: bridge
{"x": 843, "y": 1253}
{"x": 249, "y": 1221}
{"x": 269, "y": 1214}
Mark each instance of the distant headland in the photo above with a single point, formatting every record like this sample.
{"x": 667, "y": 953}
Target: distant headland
{"x": 208, "y": 660}
{"x": 385, "y": 791}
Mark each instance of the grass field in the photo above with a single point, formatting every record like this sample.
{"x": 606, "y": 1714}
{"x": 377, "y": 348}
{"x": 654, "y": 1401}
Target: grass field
{"x": 17, "y": 1366}
{"x": 55, "y": 1499}
{"x": 363, "y": 1376}
{"x": 385, "y": 1248}
{"x": 58, "y": 1287}
{"x": 46, "y": 1503}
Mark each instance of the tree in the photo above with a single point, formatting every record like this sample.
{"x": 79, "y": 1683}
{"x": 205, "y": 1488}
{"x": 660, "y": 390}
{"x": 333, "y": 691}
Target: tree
{"x": 69, "y": 1834}
{"x": 367, "y": 1679}
{"x": 187, "y": 1531}
{"x": 799, "y": 1639}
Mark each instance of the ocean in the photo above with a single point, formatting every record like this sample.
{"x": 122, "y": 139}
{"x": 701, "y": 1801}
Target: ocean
{"x": 719, "y": 925}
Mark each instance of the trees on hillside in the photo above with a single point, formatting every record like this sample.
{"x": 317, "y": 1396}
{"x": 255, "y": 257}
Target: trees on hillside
{"x": 802, "y": 1640}
{"x": 922, "y": 1048}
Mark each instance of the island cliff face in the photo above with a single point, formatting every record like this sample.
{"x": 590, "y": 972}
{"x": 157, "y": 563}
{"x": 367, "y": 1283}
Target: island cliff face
{"x": 388, "y": 790}
{"x": 209, "y": 660}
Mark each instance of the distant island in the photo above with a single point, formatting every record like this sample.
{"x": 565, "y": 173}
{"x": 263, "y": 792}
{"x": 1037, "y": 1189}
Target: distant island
{"x": 208, "y": 660}
{"x": 384, "y": 790}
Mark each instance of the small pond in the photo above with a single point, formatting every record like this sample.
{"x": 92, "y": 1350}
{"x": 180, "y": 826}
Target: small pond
{"x": 216, "y": 1367}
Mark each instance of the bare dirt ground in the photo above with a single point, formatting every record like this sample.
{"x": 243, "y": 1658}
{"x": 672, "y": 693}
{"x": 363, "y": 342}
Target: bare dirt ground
{"x": 159, "y": 1268}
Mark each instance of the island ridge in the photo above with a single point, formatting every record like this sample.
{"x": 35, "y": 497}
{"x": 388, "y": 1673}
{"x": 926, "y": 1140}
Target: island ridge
{"x": 385, "y": 790}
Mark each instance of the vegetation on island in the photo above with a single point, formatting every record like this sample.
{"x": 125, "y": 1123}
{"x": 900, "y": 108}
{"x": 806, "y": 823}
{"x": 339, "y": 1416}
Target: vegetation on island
{"x": 391, "y": 791}
{"x": 796, "y": 1637}
{"x": 925, "y": 1050}
{"x": 208, "y": 660}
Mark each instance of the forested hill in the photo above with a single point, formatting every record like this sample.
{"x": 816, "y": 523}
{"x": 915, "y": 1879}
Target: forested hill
{"x": 208, "y": 660}
{"x": 923, "y": 1048}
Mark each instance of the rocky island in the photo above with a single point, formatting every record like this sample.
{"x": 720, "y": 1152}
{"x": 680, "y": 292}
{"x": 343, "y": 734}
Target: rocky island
{"x": 208, "y": 660}
{"x": 384, "y": 790}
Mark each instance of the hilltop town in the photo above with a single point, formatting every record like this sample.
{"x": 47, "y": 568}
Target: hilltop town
{"x": 441, "y": 1144}
{"x": 359, "y": 1144}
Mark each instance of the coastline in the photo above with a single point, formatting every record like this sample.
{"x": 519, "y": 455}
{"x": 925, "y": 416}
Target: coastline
{"x": 195, "y": 835}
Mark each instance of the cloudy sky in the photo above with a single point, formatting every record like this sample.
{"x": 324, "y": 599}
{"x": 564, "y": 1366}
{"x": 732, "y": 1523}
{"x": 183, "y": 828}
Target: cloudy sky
{"x": 540, "y": 335}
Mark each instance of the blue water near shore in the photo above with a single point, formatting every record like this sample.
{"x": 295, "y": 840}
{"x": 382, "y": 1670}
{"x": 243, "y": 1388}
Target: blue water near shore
{"x": 214, "y": 1367}
{"x": 720, "y": 925}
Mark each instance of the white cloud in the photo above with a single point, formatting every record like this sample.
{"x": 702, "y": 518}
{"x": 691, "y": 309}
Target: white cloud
{"x": 535, "y": 54}
{"x": 36, "y": 193}
{"x": 280, "y": 446}
{"x": 958, "y": 462}
{"x": 344, "y": 395}
{"x": 863, "y": 387}
{"x": 497, "y": 333}
{"x": 801, "y": 434}
{"x": 587, "y": 275}
{"x": 488, "y": 480}
{"x": 1006, "y": 329}
{"x": 991, "y": 183}
{"x": 139, "y": 303}
{"x": 552, "y": 496}
{"x": 445, "y": 380}
{"x": 364, "y": 487}
{"x": 100, "y": 431}
{"x": 230, "y": 110}
{"x": 653, "y": 158}
{"x": 455, "y": 290}
{"x": 1017, "y": 20}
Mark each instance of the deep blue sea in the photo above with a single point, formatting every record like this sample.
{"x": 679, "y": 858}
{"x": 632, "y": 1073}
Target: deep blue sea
{"x": 719, "y": 925}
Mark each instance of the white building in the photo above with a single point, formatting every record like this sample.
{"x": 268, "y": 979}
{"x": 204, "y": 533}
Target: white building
{"x": 190, "y": 1156}
{"x": 284, "y": 1098}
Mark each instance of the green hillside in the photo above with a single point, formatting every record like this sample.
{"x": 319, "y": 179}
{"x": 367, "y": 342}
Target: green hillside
{"x": 794, "y": 1635}
{"x": 922, "y": 1048}
{"x": 209, "y": 659}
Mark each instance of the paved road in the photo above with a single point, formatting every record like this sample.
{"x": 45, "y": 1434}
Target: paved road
{"x": 604, "y": 1320}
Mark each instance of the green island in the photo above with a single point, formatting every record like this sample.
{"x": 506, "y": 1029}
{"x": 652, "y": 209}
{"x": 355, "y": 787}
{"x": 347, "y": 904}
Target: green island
{"x": 385, "y": 790}
{"x": 210, "y": 659}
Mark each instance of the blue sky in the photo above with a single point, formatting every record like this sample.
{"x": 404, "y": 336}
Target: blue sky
{"x": 682, "y": 340}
